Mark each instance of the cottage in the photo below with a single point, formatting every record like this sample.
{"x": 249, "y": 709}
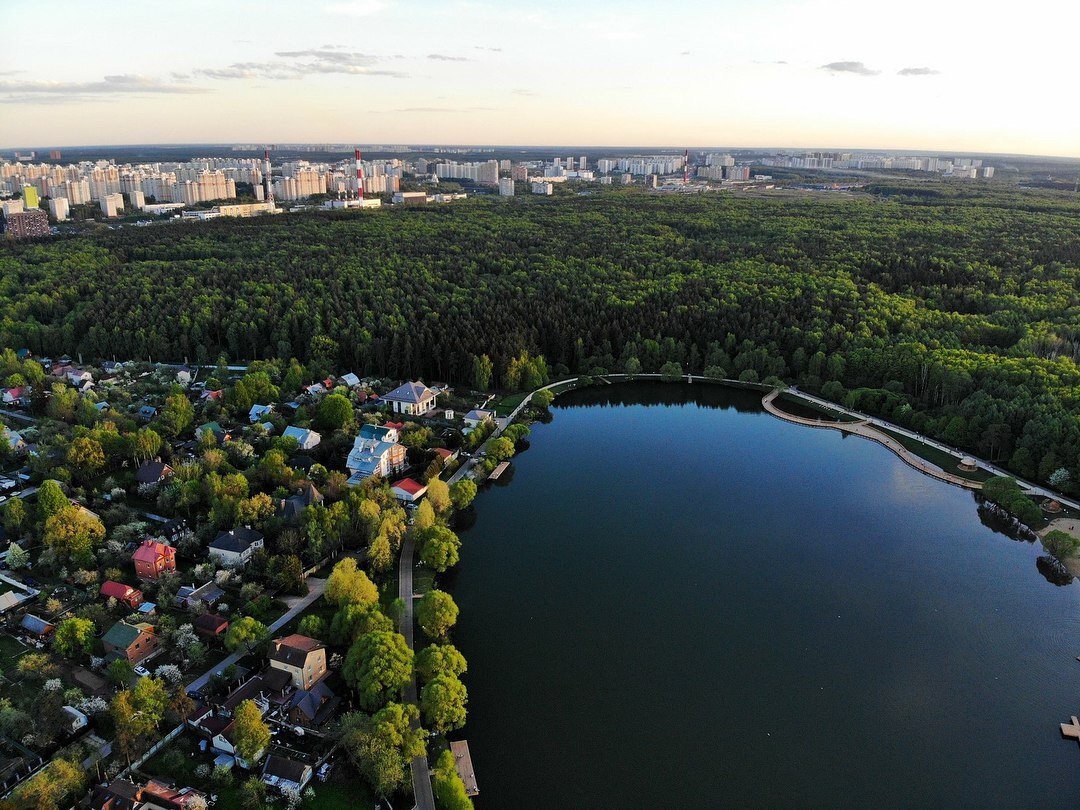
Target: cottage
{"x": 210, "y": 625}
{"x": 153, "y": 472}
{"x": 205, "y": 597}
{"x": 389, "y": 433}
{"x": 132, "y": 642}
{"x": 36, "y": 626}
{"x": 176, "y": 530}
{"x": 213, "y": 396}
{"x": 214, "y": 429}
{"x": 132, "y": 597}
{"x": 14, "y": 441}
{"x": 290, "y": 508}
{"x": 146, "y": 413}
{"x": 413, "y": 398}
{"x": 445, "y": 454}
{"x": 13, "y": 396}
{"x": 257, "y": 412}
{"x": 286, "y": 774}
{"x": 408, "y": 490}
{"x": 311, "y": 708}
{"x": 303, "y": 658}
{"x": 153, "y": 558}
{"x": 305, "y": 439}
{"x": 235, "y": 547}
{"x": 477, "y": 417}
{"x": 349, "y": 380}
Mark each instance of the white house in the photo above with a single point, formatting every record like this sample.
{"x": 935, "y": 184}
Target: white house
{"x": 370, "y": 457}
{"x": 477, "y": 417}
{"x": 305, "y": 439}
{"x": 412, "y": 398}
{"x": 350, "y": 380}
{"x": 286, "y": 774}
{"x": 408, "y": 491}
{"x": 235, "y": 547}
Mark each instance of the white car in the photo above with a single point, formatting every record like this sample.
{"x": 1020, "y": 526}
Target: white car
{"x": 142, "y": 672}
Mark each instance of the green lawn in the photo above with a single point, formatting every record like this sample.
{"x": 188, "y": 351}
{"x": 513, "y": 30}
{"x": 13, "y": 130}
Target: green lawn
{"x": 944, "y": 460}
{"x": 506, "y": 405}
{"x": 423, "y": 579}
{"x": 10, "y": 652}
{"x": 341, "y": 795}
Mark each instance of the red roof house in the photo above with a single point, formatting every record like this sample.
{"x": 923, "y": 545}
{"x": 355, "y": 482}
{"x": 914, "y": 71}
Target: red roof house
{"x": 132, "y": 597}
{"x": 153, "y": 558}
{"x": 408, "y": 490}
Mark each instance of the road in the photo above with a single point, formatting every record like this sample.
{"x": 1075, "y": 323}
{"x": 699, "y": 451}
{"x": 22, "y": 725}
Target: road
{"x": 421, "y": 773}
{"x": 298, "y": 605}
{"x": 20, "y": 416}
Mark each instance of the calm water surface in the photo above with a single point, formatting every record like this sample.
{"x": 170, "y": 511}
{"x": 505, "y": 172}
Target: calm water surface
{"x": 677, "y": 600}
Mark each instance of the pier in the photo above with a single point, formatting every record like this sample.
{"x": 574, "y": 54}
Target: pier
{"x": 499, "y": 470}
{"x": 463, "y": 763}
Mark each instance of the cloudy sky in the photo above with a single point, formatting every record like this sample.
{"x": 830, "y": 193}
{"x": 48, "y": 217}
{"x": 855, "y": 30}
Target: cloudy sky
{"x": 919, "y": 74}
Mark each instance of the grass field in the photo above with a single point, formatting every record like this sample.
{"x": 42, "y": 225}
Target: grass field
{"x": 945, "y": 461}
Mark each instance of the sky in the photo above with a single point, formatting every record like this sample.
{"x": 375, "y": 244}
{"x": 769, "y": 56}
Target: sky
{"x": 933, "y": 75}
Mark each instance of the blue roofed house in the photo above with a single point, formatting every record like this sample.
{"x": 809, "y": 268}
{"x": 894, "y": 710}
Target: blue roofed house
{"x": 370, "y": 457}
{"x": 412, "y": 398}
{"x": 13, "y": 440}
{"x": 147, "y": 412}
{"x": 257, "y": 412}
{"x": 305, "y": 439}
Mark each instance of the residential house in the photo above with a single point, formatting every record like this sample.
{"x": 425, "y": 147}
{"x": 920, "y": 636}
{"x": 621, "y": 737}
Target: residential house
{"x": 153, "y": 472}
{"x": 303, "y": 658}
{"x": 390, "y": 432}
{"x": 235, "y": 547}
{"x": 111, "y": 366}
{"x": 121, "y": 794}
{"x": 132, "y": 642}
{"x": 15, "y": 442}
{"x": 290, "y": 508}
{"x": 36, "y": 626}
{"x": 176, "y": 530}
{"x": 477, "y": 417}
{"x": 153, "y": 558}
{"x": 257, "y": 412}
{"x": 184, "y": 375}
{"x": 213, "y": 396}
{"x": 412, "y": 398}
{"x": 305, "y": 439}
{"x": 218, "y": 432}
{"x": 132, "y": 597}
{"x": 14, "y": 396}
{"x": 146, "y": 413}
{"x": 205, "y": 597}
{"x": 316, "y": 389}
{"x": 311, "y": 708}
{"x": 350, "y": 380}
{"x": 408, "y": 490}
{"x": 445, "y": 455}
{"x": 286, "y": 774}
{"x": 370, "y": 457}
{"x": 210, "y": 625}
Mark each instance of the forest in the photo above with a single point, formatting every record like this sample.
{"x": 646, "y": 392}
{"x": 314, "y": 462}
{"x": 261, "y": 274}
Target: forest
{"x": 949, "y": 308}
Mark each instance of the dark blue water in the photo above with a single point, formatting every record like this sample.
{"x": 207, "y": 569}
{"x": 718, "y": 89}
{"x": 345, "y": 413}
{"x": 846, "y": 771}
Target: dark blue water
{"x": 682, "y": 601}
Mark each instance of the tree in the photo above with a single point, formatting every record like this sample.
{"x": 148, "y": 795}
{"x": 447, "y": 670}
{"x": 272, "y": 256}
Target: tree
{"x": 347, "y": 584}
{"x": 381, "y": 746}
{"x": 335, "y": 413}
{"x": 15, "y": 516}
{"x": 499, "y": 449}
{"x": 462, "y": 493}
{"x": 482, "y": 371}
{"x": 439, "y": 548}
{"x": 442, "y": 701}
{"x": 1060, "y": 544}
{"x": 17, "y": 558}
{"x": 424, "y": 517}
{"x": 1060, "y": 478}
{"x": 542, "y": 399}
{"x": 436, "y": 613}
{"x": 49, "y": 787}
{"x": 438, "y": 495}
{"x": 73, "y": 637}
{"x": 146, "y": 446}
{"x": 244, "y": 632}
{"x": 86, "y": 456}
{"x": 447, "y": 785}
{"x": 250, "y": 733}
{"x": 357, "y": 619}
{"x": 253, "y": 794}
{"x": 440, "y": 659}
{"x": 176, "y": 416}
{"x": 120, "y": 671}
{"x": 377, "y": 666}
{"x": 136, "y": 712}
{"x": 312, "y": 626}
{"x": 72, "y": 533}
{"x": 50, "y": 500}
{"x": 671, "y": 372}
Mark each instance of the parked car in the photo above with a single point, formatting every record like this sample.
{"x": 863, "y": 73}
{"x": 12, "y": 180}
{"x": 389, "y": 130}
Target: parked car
{"x": 142, "y": 671}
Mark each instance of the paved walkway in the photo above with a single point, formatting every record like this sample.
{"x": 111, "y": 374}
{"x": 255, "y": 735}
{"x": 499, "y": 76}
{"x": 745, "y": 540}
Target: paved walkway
{"x": 20, "y": 416}
{"x": 421, "y": 773}
{"x": 867, "y": 431}
{"x": 297, "y": 605}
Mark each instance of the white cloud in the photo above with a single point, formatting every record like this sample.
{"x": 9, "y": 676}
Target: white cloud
{"x": 358, "y": 8}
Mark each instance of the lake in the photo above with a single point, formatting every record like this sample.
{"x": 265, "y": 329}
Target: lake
{"x": 675, "y": 599}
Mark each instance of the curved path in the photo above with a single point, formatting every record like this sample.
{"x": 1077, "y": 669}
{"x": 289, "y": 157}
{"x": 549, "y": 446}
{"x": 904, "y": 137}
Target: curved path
{"x": 867, "y": 431}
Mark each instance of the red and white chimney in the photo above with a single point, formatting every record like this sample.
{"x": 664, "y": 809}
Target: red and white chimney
{"x": 359, "y": 177}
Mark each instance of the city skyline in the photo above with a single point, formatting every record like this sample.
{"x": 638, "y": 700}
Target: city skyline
{"x": 952, "y": 76}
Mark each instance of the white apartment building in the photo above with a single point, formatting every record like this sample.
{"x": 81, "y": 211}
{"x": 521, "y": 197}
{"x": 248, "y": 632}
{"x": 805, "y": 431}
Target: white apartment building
{"x": 506, "y": 187}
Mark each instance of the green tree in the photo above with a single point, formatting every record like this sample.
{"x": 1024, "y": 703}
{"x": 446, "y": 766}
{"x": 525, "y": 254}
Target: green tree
{"x": 72, "y": 533}
{"x": 447, "y": 785}
{"x": 147, "y": 445}
{"x": 15, "y": 516}
{"x": 462, "y": 493}
{"x": 245, "y": 632}
{"x": 382, "y": 745}
{"x": 73, "y": 637}
{"x": 671, "y": 372}
{"x": 17, "y": 558}
{"x": 482, "y": 371}
{"x": 250, "y": 733}
{"x": 440, "y": 659}
{"x": 499, "y": 449}
{"x": 86, "y": 456}
{"x": 50, "y": 500}
{"x": 439, "y": 548}
{"x": 120, "y": 671}
{"x": 1060, "y": 544}
{"x": 436, "y": 613}
{"x": 424, "y": 517}
{"x": 312, "y": 626}
{"x": 176, "y": 416}
{"x": 253, "y": 794}
{"x": 542, "y": 399}
{"x": 347, "y": 584}
{"x": 48, "y": 789}
{"x": 442, "y": 702}
{"x": 438, "y": 495}
{"x": 377, "y": 666}
{"x": 335, "y": 413}
{"x": 357, "y": 619}
{"x": 136, "y": 712}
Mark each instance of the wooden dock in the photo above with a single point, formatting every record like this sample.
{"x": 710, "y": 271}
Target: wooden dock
{"x": 499, "y": 470}
{"x": 1071, "y": 730}
{"x": 463, "y": 763}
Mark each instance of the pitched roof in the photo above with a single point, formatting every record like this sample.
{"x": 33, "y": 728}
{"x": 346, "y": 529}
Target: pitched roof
{"x": 410, "y": 486}
{"x": 151, "y": 551}
{"x": 286, "y": 769}
{"x": 36, "y": 625}
{"x": 414, "y": 392}
{"x": 301, "y": 434}
{"x": 118, "y": 590}
{"x": 293, "y": 650}
{"x": 123, "y": 635}
{"x": 238, "y": 539}
{"x": 150, "y": 472}
{"x": 210, "y": 622}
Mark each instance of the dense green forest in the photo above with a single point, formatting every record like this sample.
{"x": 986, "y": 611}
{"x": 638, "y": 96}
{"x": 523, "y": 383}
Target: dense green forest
{"x": 951, "y": 309}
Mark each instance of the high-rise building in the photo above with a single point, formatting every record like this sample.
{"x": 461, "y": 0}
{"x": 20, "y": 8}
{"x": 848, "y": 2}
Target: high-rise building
{"x": 27, "y": 224}
{"x": 542, "y": 188}
{"x": 652, "y": 181}
{"x": 582, "y": 163}
{"x": 520, "y": 173}
{"x": 136, "y": 199}
{"x": 988, "y": 172}
{"x": 58, "y": 207}
{"x": 506, "y": 187}
{"x": 9, "y": 207}
{"x": 112, "y": 204}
